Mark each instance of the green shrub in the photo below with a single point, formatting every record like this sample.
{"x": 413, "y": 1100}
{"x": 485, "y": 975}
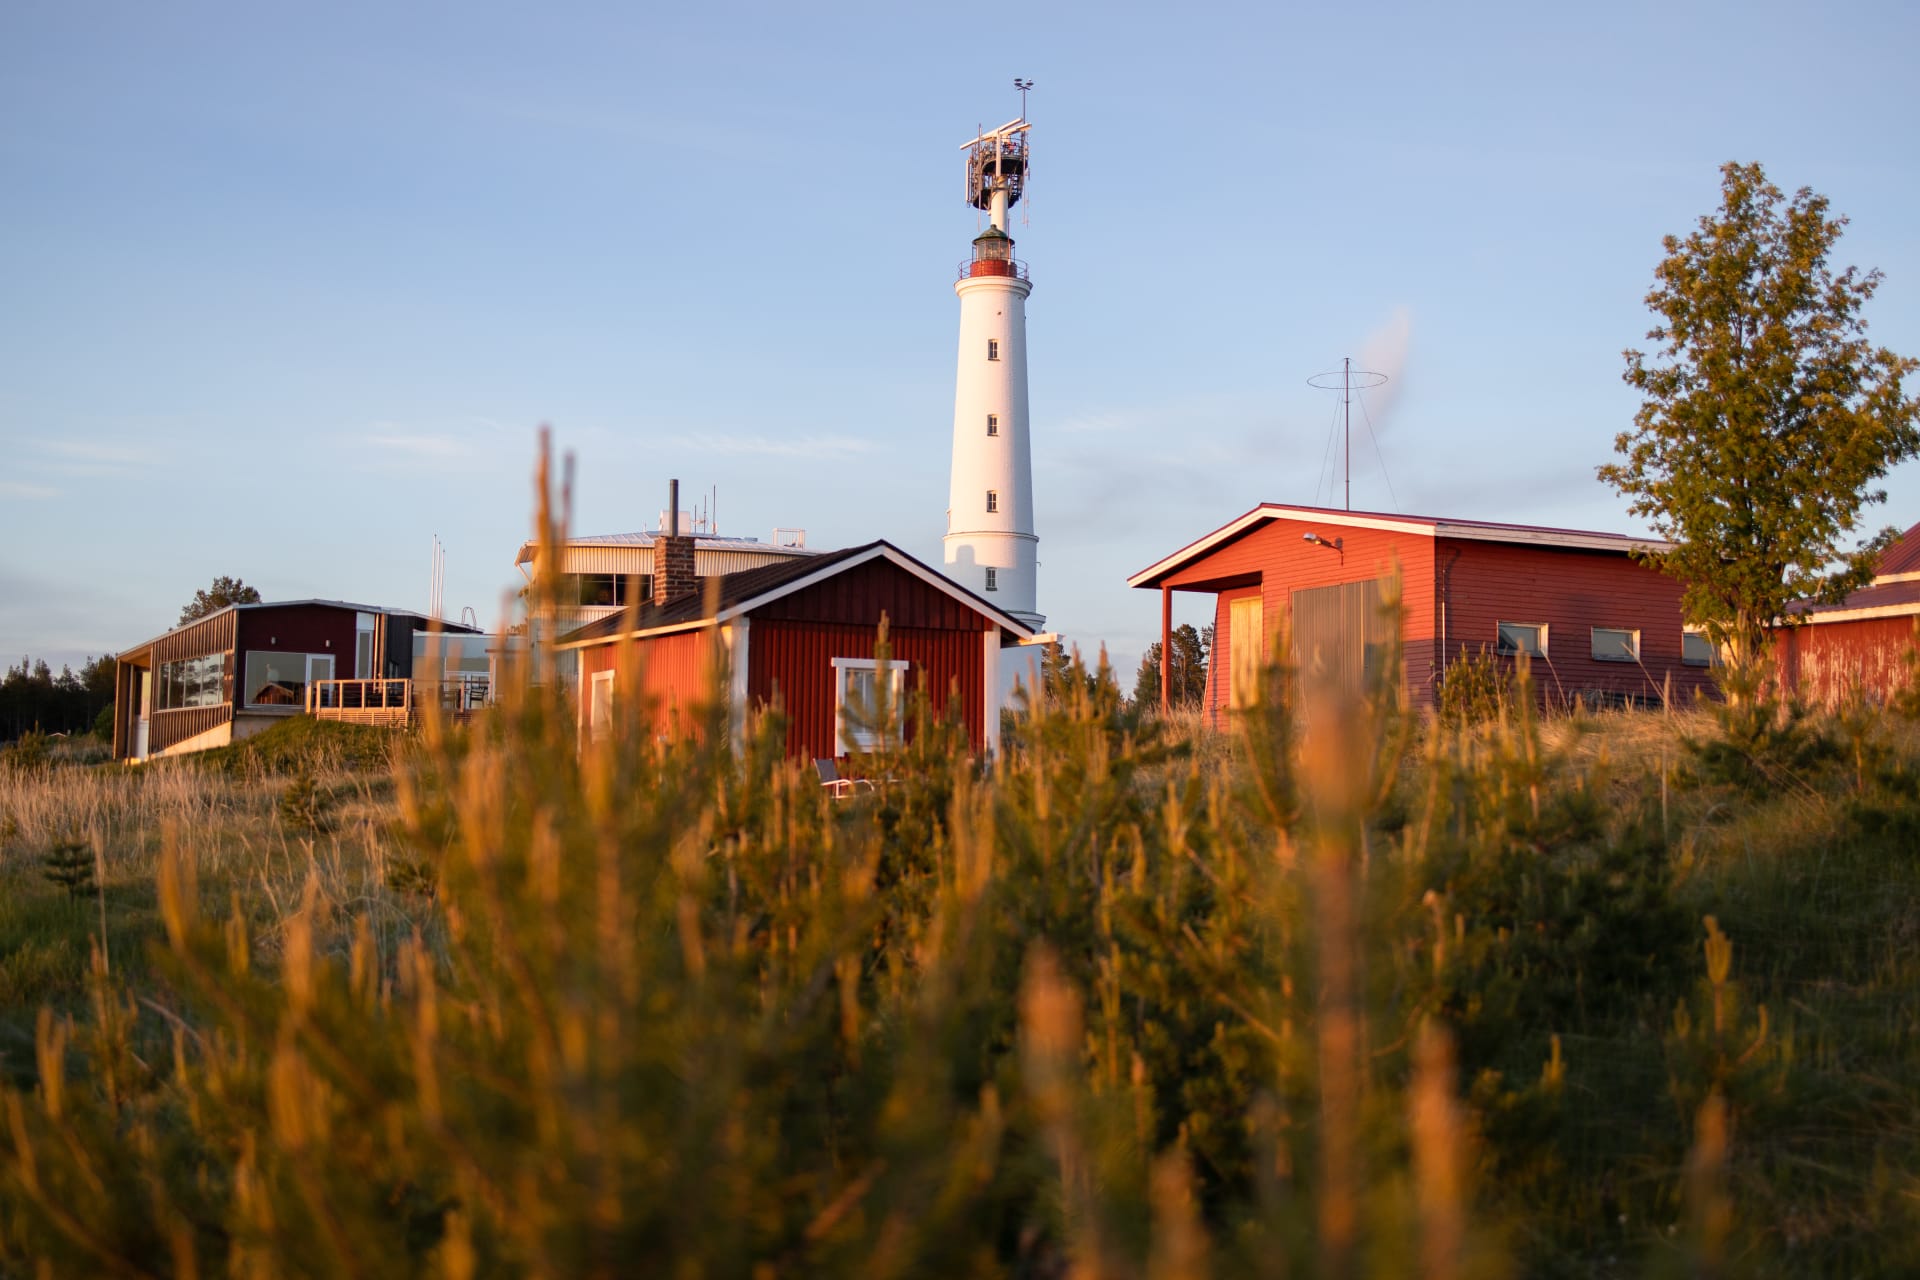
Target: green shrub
{"x": 1474, "y": 689}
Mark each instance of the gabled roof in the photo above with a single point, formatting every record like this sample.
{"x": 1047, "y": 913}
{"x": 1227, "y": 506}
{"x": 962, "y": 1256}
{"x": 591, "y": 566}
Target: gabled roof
{"x": 1903, "y": 556}
{"x": 1894, "y": 591}
{"x": 740, "y": 593}
{"x": 1424, "y": 526}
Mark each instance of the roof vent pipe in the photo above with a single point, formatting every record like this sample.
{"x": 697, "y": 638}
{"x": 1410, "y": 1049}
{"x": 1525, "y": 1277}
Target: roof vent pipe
{"x": 673, "y": 508}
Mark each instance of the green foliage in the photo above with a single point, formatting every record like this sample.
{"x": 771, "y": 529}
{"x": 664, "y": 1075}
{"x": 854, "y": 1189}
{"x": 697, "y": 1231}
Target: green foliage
{"x": 306, "y": 805}
{"x": 69, "y": 863}
{"x": 28, "y": 751}
{"x": 1350, "y": 1001}
{"x": 1766, "y": 414}
{"x": 103, "y": 723}
{"x": 33, "y": 698}
{"x": 1763, "y": 744}
{"x": 1188, "y": 685}
{"x": 302, "y": 744}
{"x": 1475, "y": 688}
{"x": 212, "y": 599}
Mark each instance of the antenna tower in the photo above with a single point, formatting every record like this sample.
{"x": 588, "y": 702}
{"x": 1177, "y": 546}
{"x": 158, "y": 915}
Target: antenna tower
{"x": 1347, "y": 380}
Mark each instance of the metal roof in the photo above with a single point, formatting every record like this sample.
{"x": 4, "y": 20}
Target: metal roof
{"x": 461, "y": 628}
{"x": 738, "y": 593}
{"x": 1426, "y": 526}
{"x": 1903, "y": 556}
{"x": 645, "y": 538}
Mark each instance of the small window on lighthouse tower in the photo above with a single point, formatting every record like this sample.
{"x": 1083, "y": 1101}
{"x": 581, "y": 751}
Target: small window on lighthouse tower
{"x": 993, "y": 500}
{"x": 993, "y": 424}
{"x": 993, "y": 348}
{"x": 993, "y": 579}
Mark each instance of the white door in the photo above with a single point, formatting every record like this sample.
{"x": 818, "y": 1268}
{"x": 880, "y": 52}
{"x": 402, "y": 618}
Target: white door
{"x": 146, "y": 709}
{"x": 600, "y": 705}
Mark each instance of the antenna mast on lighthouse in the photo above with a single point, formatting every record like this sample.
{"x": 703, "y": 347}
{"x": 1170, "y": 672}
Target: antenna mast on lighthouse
{"x": 991, "y": 547}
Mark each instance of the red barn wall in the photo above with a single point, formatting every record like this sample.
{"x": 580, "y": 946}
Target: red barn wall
{"x": 1482, "y": 584}
{"x": 671, "y": 672}
{"x": 1276, "y": 561}
{"x": 1824, "y": 663}
{"x": 791, "y": 661}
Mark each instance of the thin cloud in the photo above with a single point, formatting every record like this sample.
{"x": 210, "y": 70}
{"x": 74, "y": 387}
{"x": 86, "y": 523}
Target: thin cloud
{"x": 785, "y": 447}
{"x": 427, "y": 447}
{"x": 27, "y": 492}
{"x": 1385, "y": 352}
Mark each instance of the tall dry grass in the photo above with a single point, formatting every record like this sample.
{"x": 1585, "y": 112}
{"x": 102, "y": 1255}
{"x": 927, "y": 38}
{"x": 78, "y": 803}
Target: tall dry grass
{"x": 1332, "y": 994}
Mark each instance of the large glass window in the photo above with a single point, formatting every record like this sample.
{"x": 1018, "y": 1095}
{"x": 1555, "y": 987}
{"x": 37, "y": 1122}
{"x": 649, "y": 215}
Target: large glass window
{"x": 598, "y": 589}
{"x": 280, "y": 679}
{"x": 192, "y": 682}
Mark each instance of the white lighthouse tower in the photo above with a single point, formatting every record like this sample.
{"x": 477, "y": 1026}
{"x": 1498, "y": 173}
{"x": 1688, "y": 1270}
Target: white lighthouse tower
{"x": 991, "y": 547}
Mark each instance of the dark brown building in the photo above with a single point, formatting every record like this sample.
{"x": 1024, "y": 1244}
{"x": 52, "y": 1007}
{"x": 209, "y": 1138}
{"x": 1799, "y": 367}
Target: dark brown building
{"x": 243, "y": 668}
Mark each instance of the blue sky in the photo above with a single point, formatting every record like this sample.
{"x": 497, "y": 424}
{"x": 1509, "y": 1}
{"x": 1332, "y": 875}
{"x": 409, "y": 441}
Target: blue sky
{"x": 287, "y": 291}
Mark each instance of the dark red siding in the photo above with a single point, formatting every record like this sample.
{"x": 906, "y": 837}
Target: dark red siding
{"x": 858, "y": 596}
{"x": 304, "y": 628}
{"x": 1454, "y": 593}
{"x": 792, "y": 662}
{"x": 1826, "y": 663}
{"x": 1483, "y": 584}
{"x": 673, "y": 673}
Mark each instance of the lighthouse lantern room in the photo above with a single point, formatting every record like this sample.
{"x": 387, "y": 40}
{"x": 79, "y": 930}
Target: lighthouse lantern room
{"x": 991, "y": 547}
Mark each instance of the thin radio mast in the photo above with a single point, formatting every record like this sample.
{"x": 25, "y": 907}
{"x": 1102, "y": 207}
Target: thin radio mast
{"x": 1350, "y": 381}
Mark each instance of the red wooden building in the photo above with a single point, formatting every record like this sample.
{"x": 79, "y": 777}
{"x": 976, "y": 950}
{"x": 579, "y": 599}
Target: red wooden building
{"x": 801, "y": 633}
{"x": 1599, "y": 625}
{"x": 1861, "y": 644}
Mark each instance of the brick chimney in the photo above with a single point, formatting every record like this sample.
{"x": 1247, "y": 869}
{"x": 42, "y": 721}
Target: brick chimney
{"x": 673, "y": 554}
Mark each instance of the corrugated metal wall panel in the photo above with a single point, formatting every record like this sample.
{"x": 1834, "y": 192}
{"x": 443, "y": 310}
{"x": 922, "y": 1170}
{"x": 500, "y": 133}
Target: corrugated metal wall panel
{"x": 793, "y": 662}
{"x": 1280, "y": 562}
{"x": 707, "y": 562}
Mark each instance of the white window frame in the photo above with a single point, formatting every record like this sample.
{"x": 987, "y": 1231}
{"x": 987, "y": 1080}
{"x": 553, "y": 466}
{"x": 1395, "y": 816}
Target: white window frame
{"x": 993, "y": 424}
{"x": 993, "y": 502}
{"x": 993, "y": 578}
{"x": 993, "y": 348}
{"x": 598, "y": 725}
{"x": 1593, "y": 636}
{"x": 1499, "y": 639}
{"x": 864, "y": 739}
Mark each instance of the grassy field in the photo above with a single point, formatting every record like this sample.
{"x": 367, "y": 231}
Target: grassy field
{"x": 1336, "y": 993}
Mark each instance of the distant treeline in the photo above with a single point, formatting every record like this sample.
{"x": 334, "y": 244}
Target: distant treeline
{"x": 32, "y": 697}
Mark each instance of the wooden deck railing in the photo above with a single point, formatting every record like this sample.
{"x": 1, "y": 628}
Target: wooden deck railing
{"x": 361, "y": 701}
{"x": 394, "y": 702}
